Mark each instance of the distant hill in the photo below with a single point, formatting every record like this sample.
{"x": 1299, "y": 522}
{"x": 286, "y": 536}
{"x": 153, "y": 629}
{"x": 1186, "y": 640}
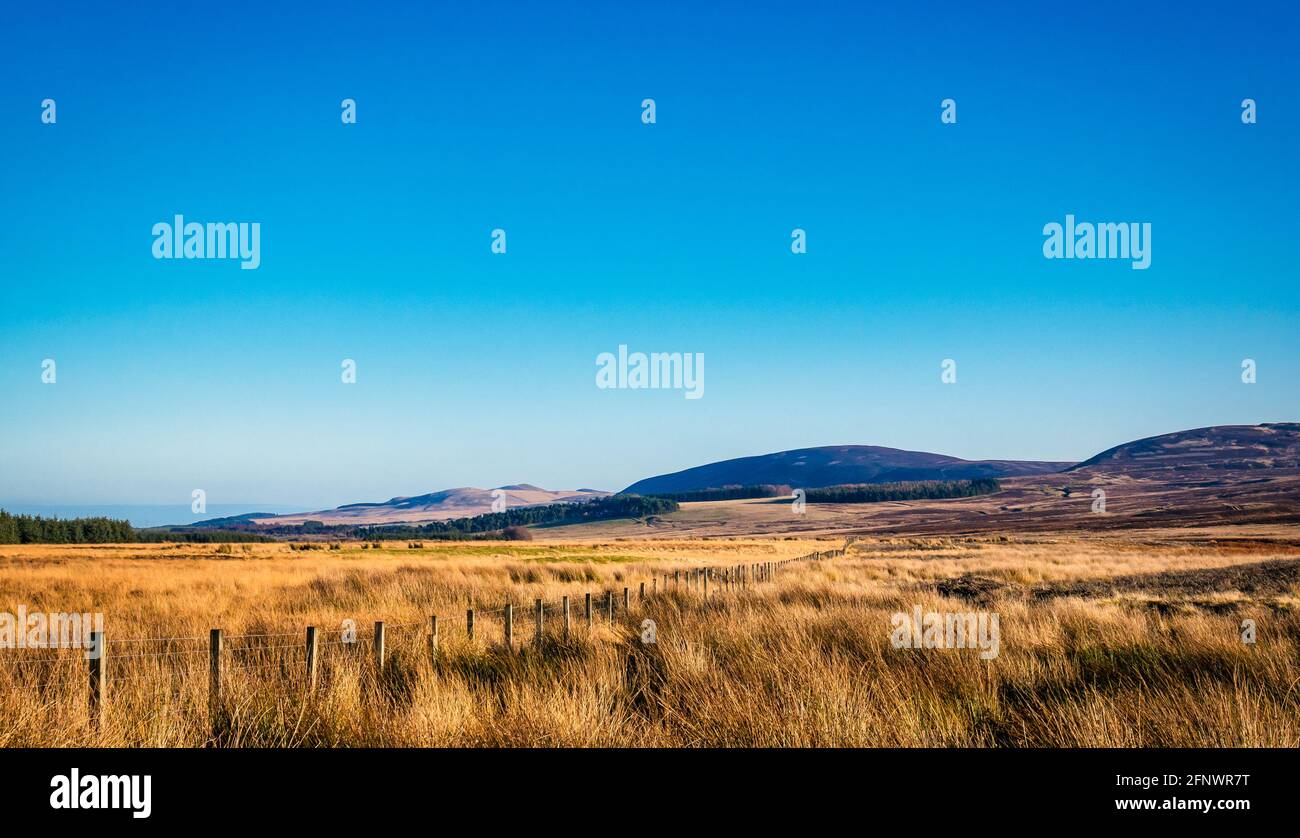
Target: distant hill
{"x": 435, "y": 506}
{"x": 836, "y": 465}
{"x": 1204, "y": 451}
{"x": 1223, "y": 476}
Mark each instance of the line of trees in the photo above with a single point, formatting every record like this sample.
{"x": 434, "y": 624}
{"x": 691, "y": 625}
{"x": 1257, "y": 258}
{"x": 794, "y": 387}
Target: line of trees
{"x": 735, "y": 492}
{"x": 35, "y": 529}
{"x": 903, "y": 490}
{"x": 554, "y": 514}
{"x": 195, "y": 536}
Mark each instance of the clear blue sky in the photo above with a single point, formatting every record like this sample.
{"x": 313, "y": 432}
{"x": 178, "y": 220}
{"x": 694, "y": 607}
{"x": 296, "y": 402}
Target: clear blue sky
{"x": 478, "y": 369}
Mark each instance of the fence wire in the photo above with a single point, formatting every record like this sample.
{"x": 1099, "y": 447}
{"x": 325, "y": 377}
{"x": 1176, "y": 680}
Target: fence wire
{"x": 251, "y": 655}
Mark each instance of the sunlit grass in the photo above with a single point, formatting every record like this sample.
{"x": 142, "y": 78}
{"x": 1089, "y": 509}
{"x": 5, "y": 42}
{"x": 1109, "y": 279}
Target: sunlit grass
{"x": 805, "y": 660}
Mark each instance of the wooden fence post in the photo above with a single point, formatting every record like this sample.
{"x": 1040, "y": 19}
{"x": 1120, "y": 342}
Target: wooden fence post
{"x": 379, "y": 647}
{"x": 510, "y": 627}
{"x": 469, "y": 622}
{"x": 539, "y": 629}
{"x": 609, "y": 606}
{"x": 96, "y": 664}
{"x": 589, "y": 609}
{"x": 311, "y": 659}
{"x": 627, "y": 601}
{"x": 706, "y": 584}
{"x": 214, "y": 678}
{"x": 642, "y": 592}
{"x": 566, "y": 617}
{"x": 433, "y": 639}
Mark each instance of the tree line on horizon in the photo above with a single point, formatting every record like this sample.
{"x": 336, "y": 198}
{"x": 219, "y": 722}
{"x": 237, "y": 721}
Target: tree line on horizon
{"x": 489, "y": 525}
{"x": 903, "y": 490}
{"x": 736, "y": 492}
{"x": 37, "y": 529}
{"x": 552, "y": 514}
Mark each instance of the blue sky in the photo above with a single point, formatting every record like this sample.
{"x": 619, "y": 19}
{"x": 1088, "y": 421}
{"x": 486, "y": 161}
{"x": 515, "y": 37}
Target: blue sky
{"x": 924, "y": 239}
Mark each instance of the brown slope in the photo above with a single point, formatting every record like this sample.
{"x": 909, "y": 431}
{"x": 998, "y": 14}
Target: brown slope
{"x": 445, "y": 505}
{"x": 1213, "y": 450}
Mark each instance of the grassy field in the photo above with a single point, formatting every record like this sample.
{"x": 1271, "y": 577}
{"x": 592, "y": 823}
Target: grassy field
{"x": 1106, "y": 640}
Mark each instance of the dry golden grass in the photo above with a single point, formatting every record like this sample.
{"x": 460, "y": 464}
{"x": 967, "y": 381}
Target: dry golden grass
{"x": 804, "y": 660}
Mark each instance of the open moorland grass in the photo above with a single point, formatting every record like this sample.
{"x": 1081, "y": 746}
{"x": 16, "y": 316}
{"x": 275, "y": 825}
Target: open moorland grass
{"x": 1106, "y": 640}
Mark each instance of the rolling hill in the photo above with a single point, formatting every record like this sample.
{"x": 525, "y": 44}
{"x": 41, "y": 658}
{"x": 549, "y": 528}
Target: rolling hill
{"x": 435, "y": 506}
{"x": 1228, "y": 474}
{"x": 1184, "y": 455}
{"x": 834, "y": 465}
{"x": 1216, "y": 477}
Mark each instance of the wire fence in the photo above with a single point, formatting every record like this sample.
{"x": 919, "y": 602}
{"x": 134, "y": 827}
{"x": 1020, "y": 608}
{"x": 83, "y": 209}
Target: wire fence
{"x": 271, "y": 652}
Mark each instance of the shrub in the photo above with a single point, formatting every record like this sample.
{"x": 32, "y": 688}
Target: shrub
{"x": 517, "y": 533}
